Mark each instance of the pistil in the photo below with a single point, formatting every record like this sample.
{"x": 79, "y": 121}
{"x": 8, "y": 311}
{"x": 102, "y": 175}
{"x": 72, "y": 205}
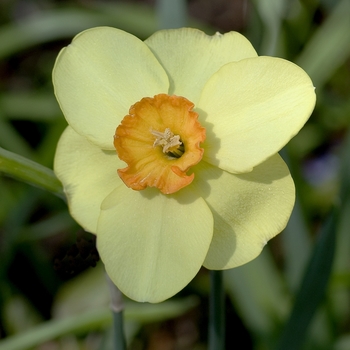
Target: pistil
{"x": 171, "y": 144}
{"x": 159, "y": 140}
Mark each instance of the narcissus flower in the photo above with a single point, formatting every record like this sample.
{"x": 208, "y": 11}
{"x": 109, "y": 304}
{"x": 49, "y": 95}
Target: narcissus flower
{"x": 170, "y": 156}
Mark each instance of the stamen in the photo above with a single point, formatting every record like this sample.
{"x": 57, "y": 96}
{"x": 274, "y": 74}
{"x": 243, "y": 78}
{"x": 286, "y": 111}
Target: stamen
{"x": 171, "y": 143}
{"x": 161, "y": 121}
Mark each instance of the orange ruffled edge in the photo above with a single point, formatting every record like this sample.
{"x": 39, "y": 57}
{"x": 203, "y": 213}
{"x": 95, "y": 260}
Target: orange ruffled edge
{"x": 147, "y": 164}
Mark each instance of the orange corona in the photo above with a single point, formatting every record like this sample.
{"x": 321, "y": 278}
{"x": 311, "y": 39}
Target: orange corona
{"x": 160, "y": 141}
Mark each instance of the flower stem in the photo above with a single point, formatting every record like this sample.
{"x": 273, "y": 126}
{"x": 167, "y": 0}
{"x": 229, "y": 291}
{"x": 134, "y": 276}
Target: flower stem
{"x": 28, "y": 171}
{"x": 117, "y": 307}
{"x": 171, "y": 14}
{"x": 216, "y": 312}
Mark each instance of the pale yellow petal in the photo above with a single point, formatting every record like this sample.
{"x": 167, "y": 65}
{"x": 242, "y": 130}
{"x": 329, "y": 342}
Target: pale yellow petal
{"x": 152, "y": 244}
{"x": 190, "y": 57}
{"x": 248, "y": 209}
{"x": 88, "y": 175}
{"x": 251, "y": 109}
{"x": 99, "y": 76}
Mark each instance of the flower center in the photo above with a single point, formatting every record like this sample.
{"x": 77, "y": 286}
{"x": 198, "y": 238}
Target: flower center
{"x": 159, "y": 140}
{"x": 170, "y": 143}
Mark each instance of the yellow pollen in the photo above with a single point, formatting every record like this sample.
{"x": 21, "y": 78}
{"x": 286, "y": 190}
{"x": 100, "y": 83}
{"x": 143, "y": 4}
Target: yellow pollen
{"x": 155, "y": 158}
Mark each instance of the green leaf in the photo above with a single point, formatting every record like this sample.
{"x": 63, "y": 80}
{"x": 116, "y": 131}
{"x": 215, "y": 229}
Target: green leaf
{"x": 297, "y": 247}
{"x": 295, "y": 237}
{"x": 29, "y": 105}
{"x": 329, "y": 47}
{"x": 12, "y": 140}
{"x": 339, "y": 294}
{"x": 46, "y": 26}
{"x": 47, "y": 227}
{"x": 259, "y": 294}
{"x": 343, "y": 343}
{"x": 96, "y": 319}
{"x": 271, "y": 13}
{"x": 93, "y": 319}
{"x": 313, "y": 286}
{"x": 23, "y": 169}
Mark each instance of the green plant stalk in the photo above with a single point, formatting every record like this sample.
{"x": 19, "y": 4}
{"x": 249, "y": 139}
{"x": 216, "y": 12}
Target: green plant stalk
{"x": 117, "y": 307}
{"x": 172, "y": 14}
{"x": 23, "y": 169}
{"x": 216, "y": 311}
{"x": 118, "y": 329}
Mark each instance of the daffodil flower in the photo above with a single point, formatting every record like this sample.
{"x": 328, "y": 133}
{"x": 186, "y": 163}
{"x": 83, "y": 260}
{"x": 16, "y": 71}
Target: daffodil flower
{"x": 170, "y": 156}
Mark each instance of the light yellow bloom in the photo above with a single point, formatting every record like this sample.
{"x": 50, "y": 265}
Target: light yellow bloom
{"x": 205, "y": 188}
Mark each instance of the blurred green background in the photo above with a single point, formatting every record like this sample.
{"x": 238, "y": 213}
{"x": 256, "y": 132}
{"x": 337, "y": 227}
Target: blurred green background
{"x": 53, "y": 293}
